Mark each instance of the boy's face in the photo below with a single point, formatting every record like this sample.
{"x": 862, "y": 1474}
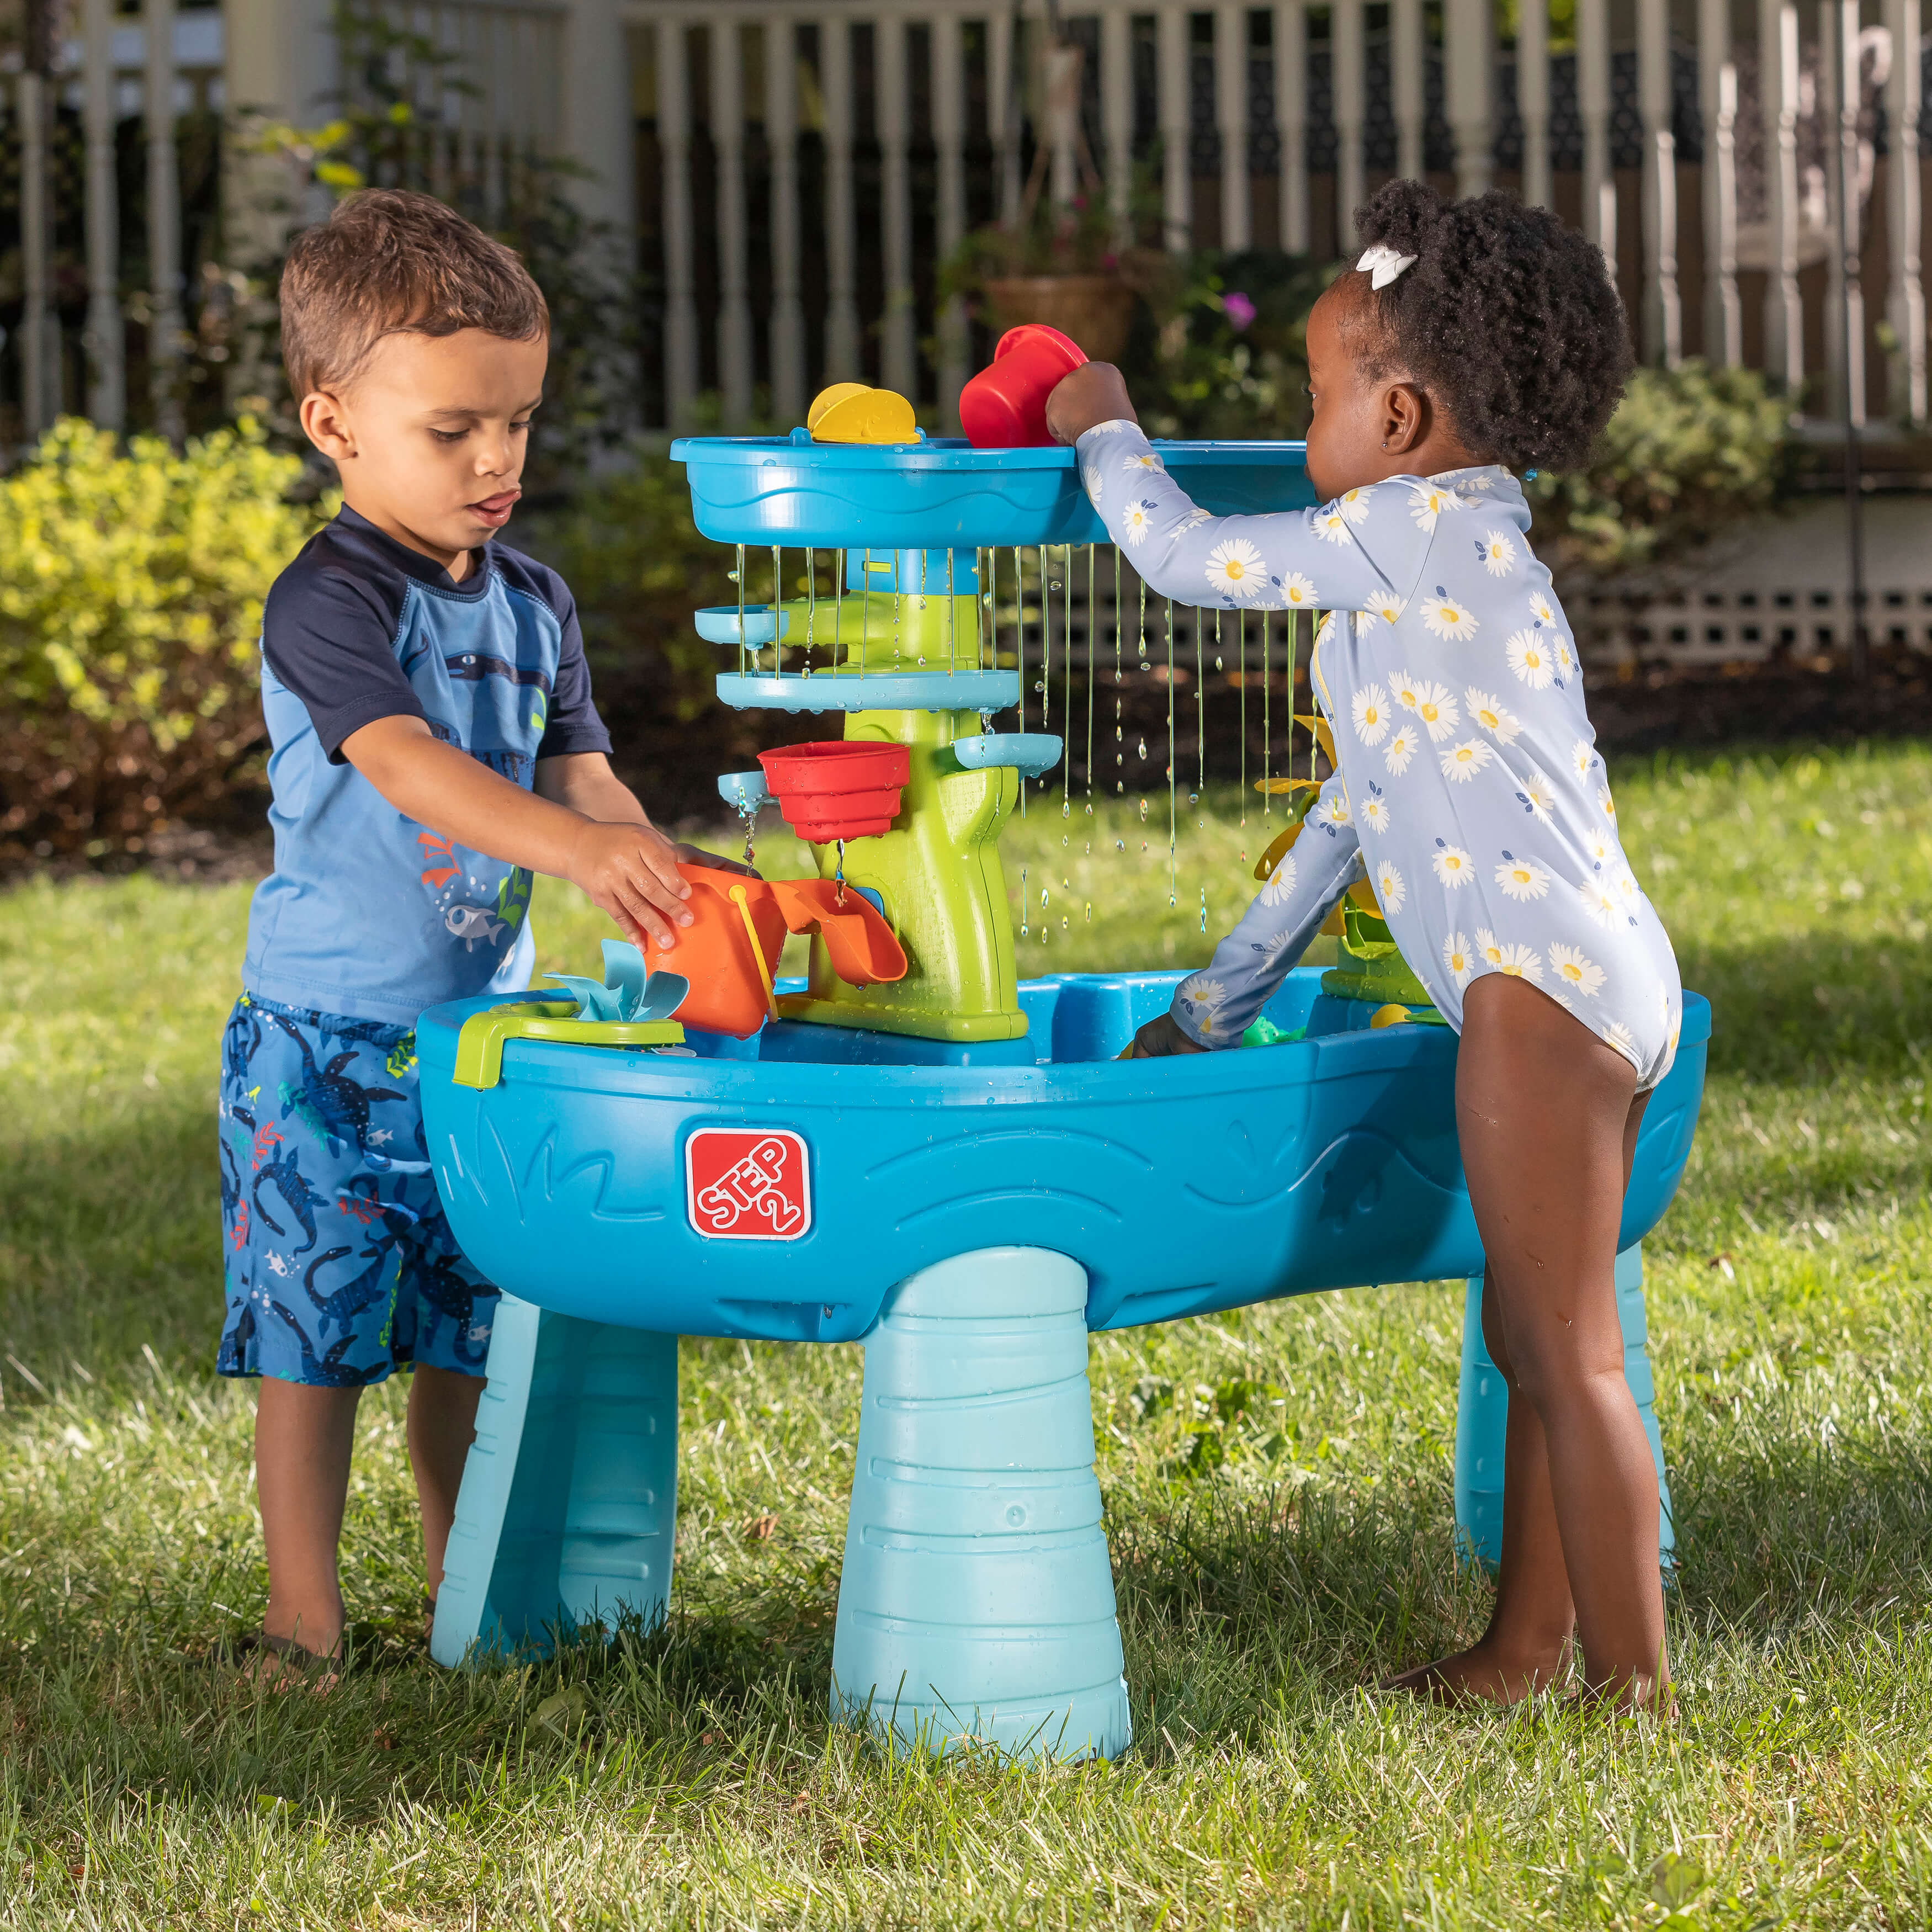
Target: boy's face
{"x": 430, "y": 436}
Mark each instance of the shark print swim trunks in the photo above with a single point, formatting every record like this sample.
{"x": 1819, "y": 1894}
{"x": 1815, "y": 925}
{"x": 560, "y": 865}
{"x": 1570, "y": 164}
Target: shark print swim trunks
{"x": 339, "y": 1266}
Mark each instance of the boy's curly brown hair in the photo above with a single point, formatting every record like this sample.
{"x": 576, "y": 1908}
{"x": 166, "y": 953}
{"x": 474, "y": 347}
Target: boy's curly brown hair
{"x": 1508, "y": 318}
{"x": 391, "y": 261}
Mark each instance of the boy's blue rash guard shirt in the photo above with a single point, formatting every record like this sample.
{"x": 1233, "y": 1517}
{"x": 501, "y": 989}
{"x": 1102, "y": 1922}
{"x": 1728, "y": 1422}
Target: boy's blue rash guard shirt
{"x": 368, "y": 913}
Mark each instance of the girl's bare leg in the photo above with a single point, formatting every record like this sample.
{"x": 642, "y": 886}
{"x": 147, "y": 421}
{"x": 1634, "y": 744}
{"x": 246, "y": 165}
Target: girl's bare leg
{"x": 1548, "y": 1117}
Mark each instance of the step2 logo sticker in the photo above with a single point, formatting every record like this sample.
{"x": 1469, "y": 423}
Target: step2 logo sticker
{"x": 741, "y": 1186}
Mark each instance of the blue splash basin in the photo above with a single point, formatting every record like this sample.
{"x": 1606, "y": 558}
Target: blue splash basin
{"x": 942, "y": 494}
{"x": 1181, "y": 1186}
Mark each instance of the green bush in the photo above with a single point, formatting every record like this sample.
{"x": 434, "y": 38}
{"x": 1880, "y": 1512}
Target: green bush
{"x": 1689, "y": 451}
{"x": 130, "y": 606}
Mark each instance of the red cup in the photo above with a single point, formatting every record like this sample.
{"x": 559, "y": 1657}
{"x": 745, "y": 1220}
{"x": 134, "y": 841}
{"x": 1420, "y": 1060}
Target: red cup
{"x": 839, "y": 788}
{"x": 1004, "y": 406}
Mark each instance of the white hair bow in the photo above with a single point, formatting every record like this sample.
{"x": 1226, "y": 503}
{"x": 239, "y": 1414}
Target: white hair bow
{"x": 1381, "y": 265}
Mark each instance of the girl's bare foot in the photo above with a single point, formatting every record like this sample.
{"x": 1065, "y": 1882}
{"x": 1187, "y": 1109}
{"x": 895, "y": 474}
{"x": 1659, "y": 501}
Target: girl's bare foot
{"x": 1475, "y": 1676}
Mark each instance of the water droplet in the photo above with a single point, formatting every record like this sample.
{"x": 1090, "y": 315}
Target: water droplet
{"x": 1042, "y": 899}
{"x": 1217, "y": 664}
{"x": 1143, "y": 811}
{"x": 1143, "y": 748}
{"x": 1194, "y": 798}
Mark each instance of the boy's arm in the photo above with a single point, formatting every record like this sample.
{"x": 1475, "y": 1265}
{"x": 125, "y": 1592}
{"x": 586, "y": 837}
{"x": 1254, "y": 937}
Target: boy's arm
{"x": 584, "y": 781}
{"x": 628, "y": 868}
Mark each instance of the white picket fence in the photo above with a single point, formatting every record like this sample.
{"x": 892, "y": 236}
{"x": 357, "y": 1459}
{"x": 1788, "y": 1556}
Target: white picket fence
{"x": 794, "y": 174}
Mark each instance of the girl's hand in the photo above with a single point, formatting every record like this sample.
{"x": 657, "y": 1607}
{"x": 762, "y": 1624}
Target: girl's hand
{"x": 1159, "y": 1039}
{"x": 1096, "y": 392}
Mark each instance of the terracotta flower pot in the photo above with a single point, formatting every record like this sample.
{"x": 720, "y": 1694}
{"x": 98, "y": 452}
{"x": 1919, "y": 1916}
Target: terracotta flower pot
{"x": 1096, "y": 311}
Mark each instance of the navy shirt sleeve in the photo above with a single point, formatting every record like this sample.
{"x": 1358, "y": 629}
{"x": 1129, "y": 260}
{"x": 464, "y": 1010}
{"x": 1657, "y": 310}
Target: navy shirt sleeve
{"x": 329, "y": 636}
{"x": 571, "y": 724}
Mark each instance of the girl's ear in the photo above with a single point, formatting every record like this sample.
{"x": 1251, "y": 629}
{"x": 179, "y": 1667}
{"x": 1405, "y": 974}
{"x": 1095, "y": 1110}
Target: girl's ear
{"x": 1404, "y": 411}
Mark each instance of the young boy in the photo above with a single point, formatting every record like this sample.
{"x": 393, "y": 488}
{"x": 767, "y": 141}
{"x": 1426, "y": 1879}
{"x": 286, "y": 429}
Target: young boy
{"x": 435, "y": 743}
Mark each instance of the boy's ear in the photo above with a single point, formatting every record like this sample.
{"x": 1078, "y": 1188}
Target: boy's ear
{"x": 325, "y": 423}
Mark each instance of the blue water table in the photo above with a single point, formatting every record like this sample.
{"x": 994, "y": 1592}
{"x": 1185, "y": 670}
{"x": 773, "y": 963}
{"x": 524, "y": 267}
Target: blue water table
{"x": 952, "y": 1167}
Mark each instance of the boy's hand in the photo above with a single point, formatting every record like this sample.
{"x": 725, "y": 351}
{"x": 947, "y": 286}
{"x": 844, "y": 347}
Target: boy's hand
{"x": 696, "y": 855}
{"x": 631, "y": 872}
{"x": 1096, "y": 392}
{"x": 1159, "y": 1038}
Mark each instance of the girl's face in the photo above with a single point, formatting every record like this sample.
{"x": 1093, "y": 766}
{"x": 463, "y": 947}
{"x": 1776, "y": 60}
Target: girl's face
{"x": 1366, "y": 427}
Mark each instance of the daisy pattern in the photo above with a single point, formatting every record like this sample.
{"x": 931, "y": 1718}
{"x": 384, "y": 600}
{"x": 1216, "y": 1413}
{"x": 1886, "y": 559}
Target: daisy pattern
{"x": 1297, "y": 592}
{"x": 1452, "y": 866}
{"x": 1147, "y": 459}
{"x": 1386, "y": 605}
{"x": 1276, "y": 943}
{"x": 1608, "y": 804}
{"x": 1370, "y": 711}
{"x": 1281, "y": 882}
{"x": 1489, "y": 947}
{"x": 1497, "y": 554}
{"x": 1536, "y": 797}
{"x": 1390, "y": 890}
{"x": 1236, "y": 570}
{"x": 1354, "y": 504}
{"x": 1601, "y": 903}
{"x": 1602, "y": 849}
{"x": 1457, "y": 956}
{"x": 1331, "y": 525}
{"x": 1194, "y": 519}
{"x": 1582, "y": 756}
{"x": 1626, "y": 887}
{"x": 1541, "y": 611}
{"x": 1520, "y": 962}
{"x": 1137, "y": 519}
{"x": 1461, "y": 763}
{"x": 1529, "y": 658}
{"x": 1093, "y": 482}
{"x": 1487, "y": 711}
{"x": 1574, "y": 970}
{"x": 1566, "y": 659}
{"x": 1426, "y": 502}
{"x": 1616, "y": 1034}
{"x": 1374, "y": 811}
{"x": 1403, "y": 747}
{"x": 1203, "y": 998}
{"x": 1522, "y": 879}
{"x": 1437, "y": 710}
{"x": 1448, "y": 616}
{"x": 1335, "y": 811}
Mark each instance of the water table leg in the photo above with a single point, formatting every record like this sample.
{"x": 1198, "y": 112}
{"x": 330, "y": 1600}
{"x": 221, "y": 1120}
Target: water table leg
{"x": 1482, "y": 1411}
{"x": 568, "y": 1506}
{"x": 977, "y": 1598}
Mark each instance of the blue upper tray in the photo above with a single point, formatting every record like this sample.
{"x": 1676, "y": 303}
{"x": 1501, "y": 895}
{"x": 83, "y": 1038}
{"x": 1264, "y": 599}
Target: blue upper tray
{"x": 944, "y": 494}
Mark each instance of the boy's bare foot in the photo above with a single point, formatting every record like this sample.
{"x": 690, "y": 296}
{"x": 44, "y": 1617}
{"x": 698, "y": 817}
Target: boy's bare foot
{"x": 280, "y": 1663}
{"x": 1474, "y": 1676}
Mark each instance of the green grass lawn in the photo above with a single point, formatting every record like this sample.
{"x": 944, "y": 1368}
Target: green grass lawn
{"x": 691, "y": 1777}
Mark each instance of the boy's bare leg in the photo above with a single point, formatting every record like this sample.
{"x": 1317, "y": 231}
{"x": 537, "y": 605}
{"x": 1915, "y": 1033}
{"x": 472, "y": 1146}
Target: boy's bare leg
{"x": 1548, "y": 1132}
{"x": 303, "y": 1438}
{"x": 442, "y": 1425}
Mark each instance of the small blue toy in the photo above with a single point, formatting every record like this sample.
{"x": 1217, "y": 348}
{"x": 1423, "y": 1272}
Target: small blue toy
{"x": 953, "y": 1168}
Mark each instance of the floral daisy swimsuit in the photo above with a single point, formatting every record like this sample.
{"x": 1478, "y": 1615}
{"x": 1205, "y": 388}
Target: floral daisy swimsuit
{"x": 1468, "y": 790}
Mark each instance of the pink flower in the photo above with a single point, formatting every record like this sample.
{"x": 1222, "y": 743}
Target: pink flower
{"x": 1238, "y": 309}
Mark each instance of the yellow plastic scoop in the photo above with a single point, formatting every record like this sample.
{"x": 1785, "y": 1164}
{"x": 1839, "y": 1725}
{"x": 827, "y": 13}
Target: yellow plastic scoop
{"x": 850, "y": 413}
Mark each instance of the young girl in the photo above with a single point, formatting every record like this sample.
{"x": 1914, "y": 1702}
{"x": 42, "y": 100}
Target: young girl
{"x": 1471, "y": 341}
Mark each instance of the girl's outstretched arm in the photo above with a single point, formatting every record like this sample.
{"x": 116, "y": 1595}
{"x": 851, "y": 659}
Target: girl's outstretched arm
{"x": 1363, "y": 552}
{"x": 1215, "y": 1006}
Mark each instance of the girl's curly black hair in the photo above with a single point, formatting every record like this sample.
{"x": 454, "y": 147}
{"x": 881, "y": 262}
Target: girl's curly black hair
{"x": 1508, "y": 317}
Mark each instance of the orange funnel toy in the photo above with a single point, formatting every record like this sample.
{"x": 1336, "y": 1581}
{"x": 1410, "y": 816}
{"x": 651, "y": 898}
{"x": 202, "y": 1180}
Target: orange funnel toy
{"x": 730, "y": 951}
{"x": 1004, "y": 406}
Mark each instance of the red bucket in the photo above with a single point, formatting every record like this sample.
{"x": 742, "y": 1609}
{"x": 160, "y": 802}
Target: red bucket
{"x": 842, "y": 788}
{"x": 1004, "y": 406}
